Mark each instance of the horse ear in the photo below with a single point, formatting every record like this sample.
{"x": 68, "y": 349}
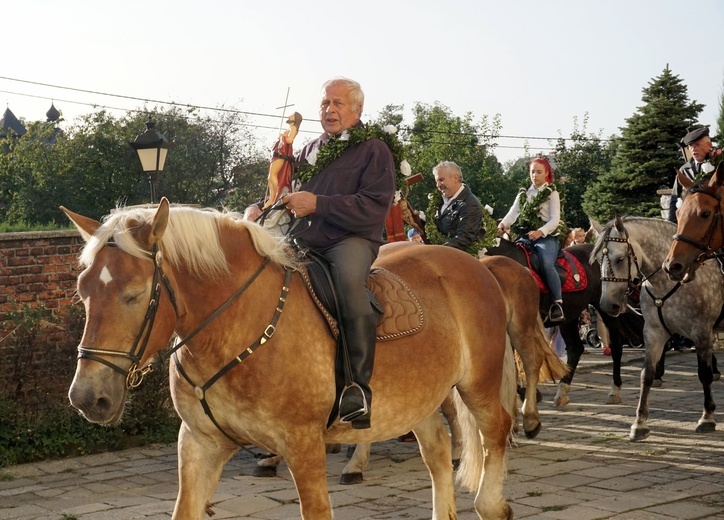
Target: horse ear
{"x": 685, "y": 181}
{"x": 160, "y": 221}
{"x": 717, "y": 180}
{"x": 595, "y": 225}
{"x": 86, "y": 226}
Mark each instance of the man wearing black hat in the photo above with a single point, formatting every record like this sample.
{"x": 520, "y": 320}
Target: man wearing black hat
{"x": 696, "y": 144}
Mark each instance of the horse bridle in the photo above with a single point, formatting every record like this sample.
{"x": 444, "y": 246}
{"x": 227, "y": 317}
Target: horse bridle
{"x": 134, "y": 375}
{"x": 705, "y": 244}
{"x": 630, "y": 255}
{"x": 640, "y": 278}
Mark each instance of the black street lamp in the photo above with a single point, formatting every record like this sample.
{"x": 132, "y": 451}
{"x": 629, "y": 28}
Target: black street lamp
{"x": 152, "y": 148}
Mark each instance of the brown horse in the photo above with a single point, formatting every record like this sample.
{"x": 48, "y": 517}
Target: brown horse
{"x": 700, "y": 229}
{"x": 527, "y": 333}
{"x": 256, "y": 362}
{"x": 529, "y": 340}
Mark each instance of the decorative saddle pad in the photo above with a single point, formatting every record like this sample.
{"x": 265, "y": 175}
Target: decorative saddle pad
{"x": 570, "y": 270}
{"x": 402, "y": 313}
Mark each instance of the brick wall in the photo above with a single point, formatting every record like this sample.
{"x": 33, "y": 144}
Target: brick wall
{"x": 39, "y": 269}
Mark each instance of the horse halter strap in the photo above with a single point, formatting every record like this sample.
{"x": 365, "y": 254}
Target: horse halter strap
{"x": 134, "y": 375}
{"x": 705, "y": 244}
{"x": 606, "y": 260}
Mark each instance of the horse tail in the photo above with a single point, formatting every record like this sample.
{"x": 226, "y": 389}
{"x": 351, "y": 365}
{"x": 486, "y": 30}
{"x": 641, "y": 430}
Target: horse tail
{"x": 473, "y": 454}
{"x": 552, "y": 367}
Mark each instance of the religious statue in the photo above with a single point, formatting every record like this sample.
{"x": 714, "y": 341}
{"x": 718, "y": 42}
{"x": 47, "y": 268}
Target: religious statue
{"x": 281, "y": 168}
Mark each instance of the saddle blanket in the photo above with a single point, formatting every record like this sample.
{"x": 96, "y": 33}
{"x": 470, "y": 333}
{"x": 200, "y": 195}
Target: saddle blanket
{"x": 570, "y": 269}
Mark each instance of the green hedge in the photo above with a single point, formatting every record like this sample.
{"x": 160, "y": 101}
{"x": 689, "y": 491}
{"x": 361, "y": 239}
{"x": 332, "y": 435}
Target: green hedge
{"x": 36, "y": 420}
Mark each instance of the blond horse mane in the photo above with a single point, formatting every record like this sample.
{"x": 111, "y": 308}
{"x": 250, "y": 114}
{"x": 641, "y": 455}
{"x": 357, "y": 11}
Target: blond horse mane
{"x": 192, "y": 236}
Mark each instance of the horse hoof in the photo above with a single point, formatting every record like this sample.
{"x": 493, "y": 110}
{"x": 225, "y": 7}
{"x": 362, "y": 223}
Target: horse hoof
{"x": 716, "y": 377}
{"x": 639, "y": 434}
{"x": 350, "y": 478}
{"x": 456, "y": 464}
{"x": 333, "y": 448}
{"x": 614, "y": 399}
{"x": 264, "y": 471}
{"x": 706, "y": 427}
{"x": 531, "y": 434}
{"x": 560, "y": 402}
{"x": 658, "y": 383}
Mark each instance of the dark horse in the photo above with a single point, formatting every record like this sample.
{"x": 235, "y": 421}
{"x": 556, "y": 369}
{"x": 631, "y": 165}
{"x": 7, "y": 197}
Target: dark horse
{"x": 628, "y": 326}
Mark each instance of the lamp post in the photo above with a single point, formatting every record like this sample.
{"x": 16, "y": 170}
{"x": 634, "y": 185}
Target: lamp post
{"x": 152, "y": 148}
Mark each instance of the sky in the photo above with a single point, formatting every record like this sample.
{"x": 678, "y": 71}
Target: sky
{"x": 544, "y": 66}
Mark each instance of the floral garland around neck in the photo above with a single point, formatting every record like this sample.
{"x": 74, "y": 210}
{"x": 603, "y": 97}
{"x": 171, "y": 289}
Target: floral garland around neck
{"x": 318, "y": 159}
{"x": 714, "y": 159}
{"x": 433, "y": 235}
{"x": 529, "y": 217}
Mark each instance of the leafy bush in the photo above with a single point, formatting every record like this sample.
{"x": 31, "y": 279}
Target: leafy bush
{"x": 37, "y": 420}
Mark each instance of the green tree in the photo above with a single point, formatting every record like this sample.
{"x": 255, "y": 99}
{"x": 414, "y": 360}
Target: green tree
{"x": 92, "y": 168}
{"x": 647, "y": 154}
{"x": 436, "y": 135}
{"x": 578, "y": 164}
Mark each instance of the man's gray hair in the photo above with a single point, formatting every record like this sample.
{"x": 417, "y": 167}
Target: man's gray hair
{"x": 449, "y": 165}
{"x": 353, "y": 88}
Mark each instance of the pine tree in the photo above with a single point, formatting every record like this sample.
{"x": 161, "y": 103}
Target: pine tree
{"x": 647, "y": 153}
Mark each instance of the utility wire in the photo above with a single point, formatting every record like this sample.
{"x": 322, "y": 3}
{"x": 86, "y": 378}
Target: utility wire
{"x": 235, "y": 111}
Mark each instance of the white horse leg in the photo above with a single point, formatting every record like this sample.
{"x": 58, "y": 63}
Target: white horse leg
{"x": 614, "y": 396}
{"x": 561, "y": 399}
{"x": 267, "y": 467}
{"x": 353, "y": 471}
{"x": 434, "y": 442}
{"x": 654, "y": 338}
{"x": 199, "y": 467}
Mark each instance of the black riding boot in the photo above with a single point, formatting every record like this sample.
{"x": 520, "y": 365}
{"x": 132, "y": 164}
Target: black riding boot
{"x": 356, "y": 399}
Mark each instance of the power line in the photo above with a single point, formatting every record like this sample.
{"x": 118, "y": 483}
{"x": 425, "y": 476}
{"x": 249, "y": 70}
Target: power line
{"x": 235, "y": 111}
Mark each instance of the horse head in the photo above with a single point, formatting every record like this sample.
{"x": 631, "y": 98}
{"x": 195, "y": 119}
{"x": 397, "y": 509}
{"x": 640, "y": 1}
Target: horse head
{"x": 700, "y": 228}
{"x": 615, "y": 254}
{"x": 123, "y": 277}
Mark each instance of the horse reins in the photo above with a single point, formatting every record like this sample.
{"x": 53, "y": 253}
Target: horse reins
{"x": 705, "y": 244}
{"x": 134, "y": 375}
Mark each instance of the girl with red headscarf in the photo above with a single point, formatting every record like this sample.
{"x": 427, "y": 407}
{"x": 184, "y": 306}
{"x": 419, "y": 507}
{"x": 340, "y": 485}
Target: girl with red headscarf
{"x": 536, "y": 216}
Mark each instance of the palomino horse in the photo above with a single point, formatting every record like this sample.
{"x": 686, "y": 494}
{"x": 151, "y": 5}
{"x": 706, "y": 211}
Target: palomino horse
{"x": 527, "y": 336}
{"x": 574, "y": 303}
{"x": 257, "y": 360}
{"x": 635, "y": 247}
{"x": 700, "y": 230}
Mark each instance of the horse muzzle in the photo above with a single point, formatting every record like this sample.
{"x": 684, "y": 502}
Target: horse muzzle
{"x": 99, "y": 400}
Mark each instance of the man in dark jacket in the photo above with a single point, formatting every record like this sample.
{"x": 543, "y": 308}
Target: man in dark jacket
{"x": 347, "y": 201}
{"x": 696, "y": 144}
{"x": 460, "y": 217}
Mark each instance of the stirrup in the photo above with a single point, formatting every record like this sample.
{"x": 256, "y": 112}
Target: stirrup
{"x": 356, "y": 413}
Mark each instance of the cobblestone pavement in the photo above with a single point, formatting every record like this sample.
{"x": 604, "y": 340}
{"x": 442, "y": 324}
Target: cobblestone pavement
{"x": 581, "y": 467}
